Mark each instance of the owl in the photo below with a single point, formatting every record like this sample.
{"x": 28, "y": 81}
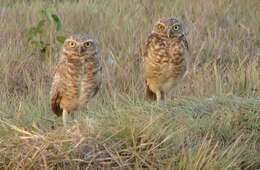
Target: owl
{"x": 164, "y": 58}
{"x": 77, "y": 76}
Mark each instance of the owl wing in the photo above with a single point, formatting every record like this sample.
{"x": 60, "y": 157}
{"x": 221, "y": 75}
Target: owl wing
{"x": 147, "y": 45}
{"x": 185, "y": 43}
{"x": 91, "y": 80}
{"x": 149, "y": 94}
{"x": 56, "y": 88}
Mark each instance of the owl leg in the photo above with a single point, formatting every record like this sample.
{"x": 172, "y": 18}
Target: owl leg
{"x": 74, "y": 117}
{"x": 158, "y": 97}
{"x": 64, "y": 117}
{"x": 163, "y": 97}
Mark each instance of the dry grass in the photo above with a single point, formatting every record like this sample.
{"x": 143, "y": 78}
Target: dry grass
{"x": 212, "y": 123}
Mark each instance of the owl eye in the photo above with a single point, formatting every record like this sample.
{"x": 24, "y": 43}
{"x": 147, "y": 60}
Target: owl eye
{"x": 161, "y": 27}
{"x": 176, "y": 27}
{"x": 72, "y": 44}
{"x": 87, "y": 44}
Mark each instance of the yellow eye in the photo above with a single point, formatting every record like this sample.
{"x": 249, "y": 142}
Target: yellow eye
{"x": 161, "y": 27}
{"x": 176, "y": 27}
{"x": 87, "y": 44}
{"x": 72, "y": 44}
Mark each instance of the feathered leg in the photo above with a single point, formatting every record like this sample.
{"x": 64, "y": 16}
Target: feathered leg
{"x": 164, "y": 97}
{"x": 158, "y": 97}
{"x": 64, "y": 117}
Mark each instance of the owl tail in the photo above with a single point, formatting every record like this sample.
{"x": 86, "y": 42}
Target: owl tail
{"x": 55, "y": 105}
{"x": 149, "y": 94}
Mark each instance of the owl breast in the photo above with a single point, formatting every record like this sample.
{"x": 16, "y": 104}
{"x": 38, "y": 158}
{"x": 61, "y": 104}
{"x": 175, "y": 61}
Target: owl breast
{"x": 71, "y": 85}
{"x": 165, "y": 63}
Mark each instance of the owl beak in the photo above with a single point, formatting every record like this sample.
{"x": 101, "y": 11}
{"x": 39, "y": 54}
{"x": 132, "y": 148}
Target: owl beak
{"x": 169, "y": 33}
{"x": 81, "y": 50}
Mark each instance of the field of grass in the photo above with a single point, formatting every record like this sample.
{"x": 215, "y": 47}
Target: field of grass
{"x": 211, "y": 121}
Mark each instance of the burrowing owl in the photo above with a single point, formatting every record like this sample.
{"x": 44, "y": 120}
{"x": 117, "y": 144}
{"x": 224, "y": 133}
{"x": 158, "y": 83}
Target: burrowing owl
{"x": 77, "y": 77}
{"x": 164, "y": 58}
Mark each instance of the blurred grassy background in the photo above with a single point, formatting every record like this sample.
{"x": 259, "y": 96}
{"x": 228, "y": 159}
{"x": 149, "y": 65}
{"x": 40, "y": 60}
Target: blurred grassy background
{"x": 212, "y": 121}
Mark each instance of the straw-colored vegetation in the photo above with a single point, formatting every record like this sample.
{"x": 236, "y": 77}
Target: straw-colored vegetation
{"x": 212, "y": 120}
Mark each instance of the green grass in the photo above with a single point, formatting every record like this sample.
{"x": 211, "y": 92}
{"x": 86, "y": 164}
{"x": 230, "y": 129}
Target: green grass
{"x": 211, "y": 121}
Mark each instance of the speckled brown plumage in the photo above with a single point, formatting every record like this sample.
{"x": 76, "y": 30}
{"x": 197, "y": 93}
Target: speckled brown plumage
{"x": 77, "y": 75}
{"x": 91, "y": 80}
{"x": 164, "y": 58}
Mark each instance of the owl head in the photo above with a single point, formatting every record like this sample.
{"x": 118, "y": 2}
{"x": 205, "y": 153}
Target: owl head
{"x": 80, "y": 45}
{"x": 171, "y": 28}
